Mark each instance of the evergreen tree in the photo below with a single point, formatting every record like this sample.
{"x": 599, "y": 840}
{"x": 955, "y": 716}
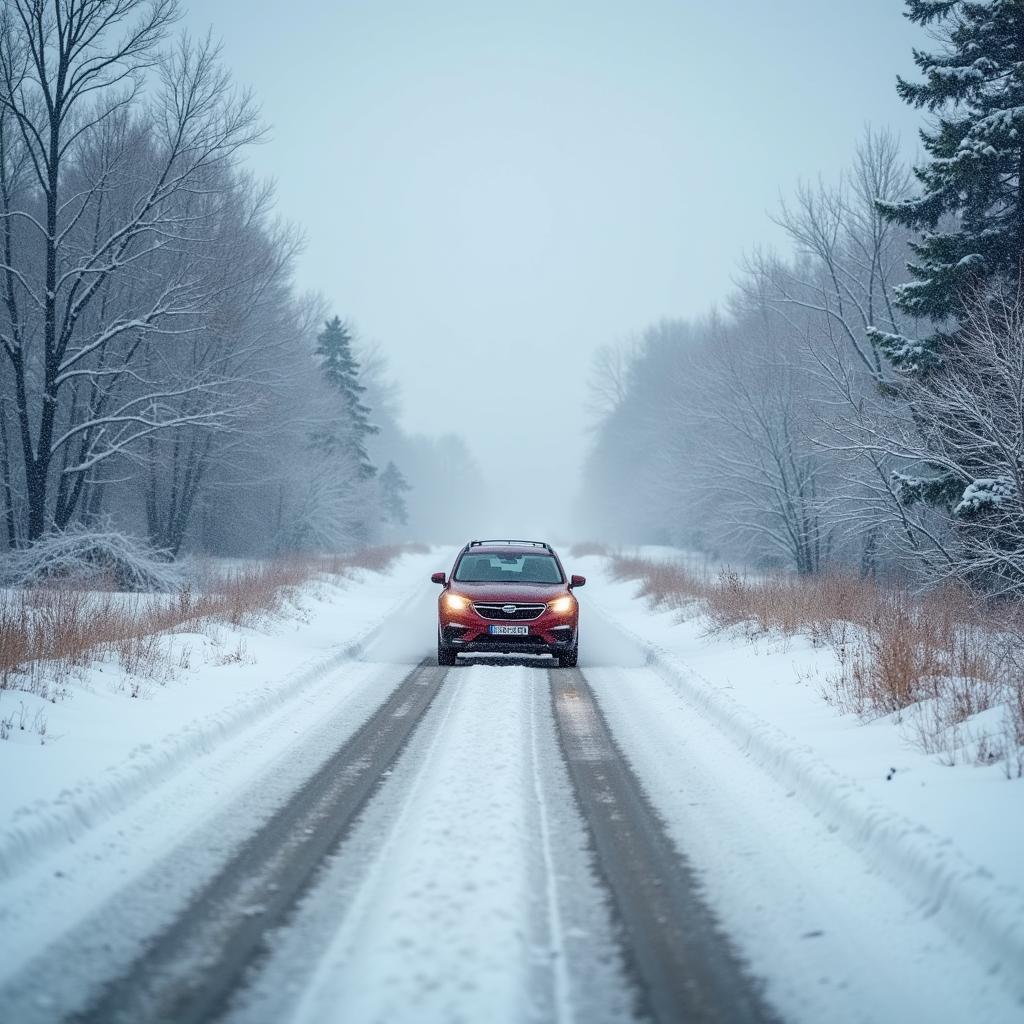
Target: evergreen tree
{"x": 341, "y": 369}
{"x": 966, "y": 271}
{"x": 971, "y": 208}
{"x": 393, "y": 487}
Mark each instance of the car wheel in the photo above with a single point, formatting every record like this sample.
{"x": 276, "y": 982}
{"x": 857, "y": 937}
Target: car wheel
{"x": 445, "y": 655}
{"x": 569, "y": 660}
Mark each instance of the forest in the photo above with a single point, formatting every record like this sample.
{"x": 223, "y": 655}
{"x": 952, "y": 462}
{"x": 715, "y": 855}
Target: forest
{"x": 857, "y": 404}
{"x": 161, "y": 376}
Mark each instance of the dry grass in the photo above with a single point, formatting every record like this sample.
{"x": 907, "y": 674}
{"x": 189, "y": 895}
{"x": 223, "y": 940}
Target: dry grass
{"x": 946, "y": 655}
{"x": 47, "y": 633}
{"x": 821, "y": 607}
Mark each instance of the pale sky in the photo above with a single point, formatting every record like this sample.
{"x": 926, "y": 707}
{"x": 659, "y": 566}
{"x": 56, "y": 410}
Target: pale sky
{"x": 492, "y": 191}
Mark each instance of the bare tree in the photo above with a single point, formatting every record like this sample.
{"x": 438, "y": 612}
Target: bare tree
{"x": 837, "y": 292}
{"x": 747, "y": 403}
{"x": 100, "y": 218}
{"x": 247, "y": 342}
{"x": 847, "y": 257}
{"x": 608, "y": 382}
{"x": 965, "y": 450}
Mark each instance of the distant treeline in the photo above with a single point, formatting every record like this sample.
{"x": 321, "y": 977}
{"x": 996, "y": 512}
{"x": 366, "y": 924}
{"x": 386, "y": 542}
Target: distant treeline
{"x": 860, "y": 402}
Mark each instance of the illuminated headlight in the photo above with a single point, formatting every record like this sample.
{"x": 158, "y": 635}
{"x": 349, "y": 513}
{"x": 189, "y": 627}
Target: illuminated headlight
{"x": 455, "y": 602}
{"x": 561, "y": 605}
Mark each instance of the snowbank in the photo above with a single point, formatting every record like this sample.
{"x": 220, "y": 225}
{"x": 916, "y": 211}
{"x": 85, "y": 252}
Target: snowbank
{"x": 102, "y": 750}
{"x": 950, "y": 837}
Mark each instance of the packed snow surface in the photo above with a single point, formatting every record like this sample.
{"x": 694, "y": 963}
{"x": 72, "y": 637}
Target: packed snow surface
{"x": 467, "y": 888}
{"x": 466, "y": 892}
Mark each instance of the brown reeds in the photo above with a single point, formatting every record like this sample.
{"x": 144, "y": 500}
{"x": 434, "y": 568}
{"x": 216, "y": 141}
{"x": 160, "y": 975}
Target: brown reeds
{"x": 948, "y": 654}
{"x": 47, "y": 632}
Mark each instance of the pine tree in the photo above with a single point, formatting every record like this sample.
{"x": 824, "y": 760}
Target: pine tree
{"x": 974, "y": 180}
{"x": 393, "y": 487}
{"x": 341, "y": 369}
{"x": 967, "y": 263}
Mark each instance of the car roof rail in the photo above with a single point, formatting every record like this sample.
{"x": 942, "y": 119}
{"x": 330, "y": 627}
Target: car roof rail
{"x": 517, "y": 543}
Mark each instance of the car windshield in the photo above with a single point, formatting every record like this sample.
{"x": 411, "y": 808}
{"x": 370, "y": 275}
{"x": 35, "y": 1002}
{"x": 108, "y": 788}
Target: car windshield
{"x": 508, "y": 569}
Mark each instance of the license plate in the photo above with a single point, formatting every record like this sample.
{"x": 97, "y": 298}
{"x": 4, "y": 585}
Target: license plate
{"x": 509, "y": 630}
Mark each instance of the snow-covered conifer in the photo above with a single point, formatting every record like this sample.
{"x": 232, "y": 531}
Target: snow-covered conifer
{"x": 341, "y": 370}
{"x": 393, "y": 488}
{"x": 970, "y": 209}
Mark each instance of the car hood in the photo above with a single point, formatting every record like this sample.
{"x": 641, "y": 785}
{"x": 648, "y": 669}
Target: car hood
{"x": 510, "y": 593}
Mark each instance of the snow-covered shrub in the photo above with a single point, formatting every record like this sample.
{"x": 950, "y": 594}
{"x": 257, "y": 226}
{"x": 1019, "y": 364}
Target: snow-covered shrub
{"x": 90, "y": 557}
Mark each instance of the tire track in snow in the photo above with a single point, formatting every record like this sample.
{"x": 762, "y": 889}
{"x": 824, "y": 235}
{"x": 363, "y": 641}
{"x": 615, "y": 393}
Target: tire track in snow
{"x": 562, "y": 996}
{"x": 684, "y": 965}
{"x": 191, "y": 969}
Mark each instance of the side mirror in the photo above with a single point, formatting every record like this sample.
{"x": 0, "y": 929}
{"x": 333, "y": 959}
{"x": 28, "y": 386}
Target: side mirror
{"x": 577, "y": 581}
{"x": 438, "y": 577}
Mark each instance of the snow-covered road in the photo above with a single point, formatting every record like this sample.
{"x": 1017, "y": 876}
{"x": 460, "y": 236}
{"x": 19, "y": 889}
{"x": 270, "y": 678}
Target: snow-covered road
{"x": 465, "y": 894}
{"x": 500, "y": 841}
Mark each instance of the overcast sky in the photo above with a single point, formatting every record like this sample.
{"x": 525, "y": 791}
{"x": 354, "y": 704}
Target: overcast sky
{"x": 493, "y": 190}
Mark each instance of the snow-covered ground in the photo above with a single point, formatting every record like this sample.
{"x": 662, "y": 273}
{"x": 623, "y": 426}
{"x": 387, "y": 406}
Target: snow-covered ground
{"x": 465, "y": 893}
{"x": 104, "y": 748}
{"x": 99, "y": 738}
{"x": 779, "y": 681}
{"x": 466, "y": 888}
{"x": 718, "y": 717}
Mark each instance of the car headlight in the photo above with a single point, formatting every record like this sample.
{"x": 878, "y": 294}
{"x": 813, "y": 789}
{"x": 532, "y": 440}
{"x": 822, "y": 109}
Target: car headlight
{"x": 563, "y": 604}
{"x": 456, "y": 602}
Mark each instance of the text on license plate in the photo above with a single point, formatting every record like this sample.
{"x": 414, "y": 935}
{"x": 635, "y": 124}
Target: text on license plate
{"x": 509, "y": 630}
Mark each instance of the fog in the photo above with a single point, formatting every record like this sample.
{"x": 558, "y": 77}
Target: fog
{"x": 491, "y": 191}
{"x": 479, "y": 199}
{"x": 300, "y": 302}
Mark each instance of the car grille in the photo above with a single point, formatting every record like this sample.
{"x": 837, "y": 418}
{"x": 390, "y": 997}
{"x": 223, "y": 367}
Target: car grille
{"x": 497, "y": 611}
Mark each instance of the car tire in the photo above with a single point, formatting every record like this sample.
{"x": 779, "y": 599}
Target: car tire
{"x": 445, "y": 654}
{"x": 569, "y": 660}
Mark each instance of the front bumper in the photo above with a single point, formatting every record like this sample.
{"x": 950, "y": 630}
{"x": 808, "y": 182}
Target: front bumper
{"x": 555, "y": 640}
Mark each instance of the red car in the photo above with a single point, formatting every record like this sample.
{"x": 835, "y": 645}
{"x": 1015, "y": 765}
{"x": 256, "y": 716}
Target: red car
{"x": 508, "y": 597}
